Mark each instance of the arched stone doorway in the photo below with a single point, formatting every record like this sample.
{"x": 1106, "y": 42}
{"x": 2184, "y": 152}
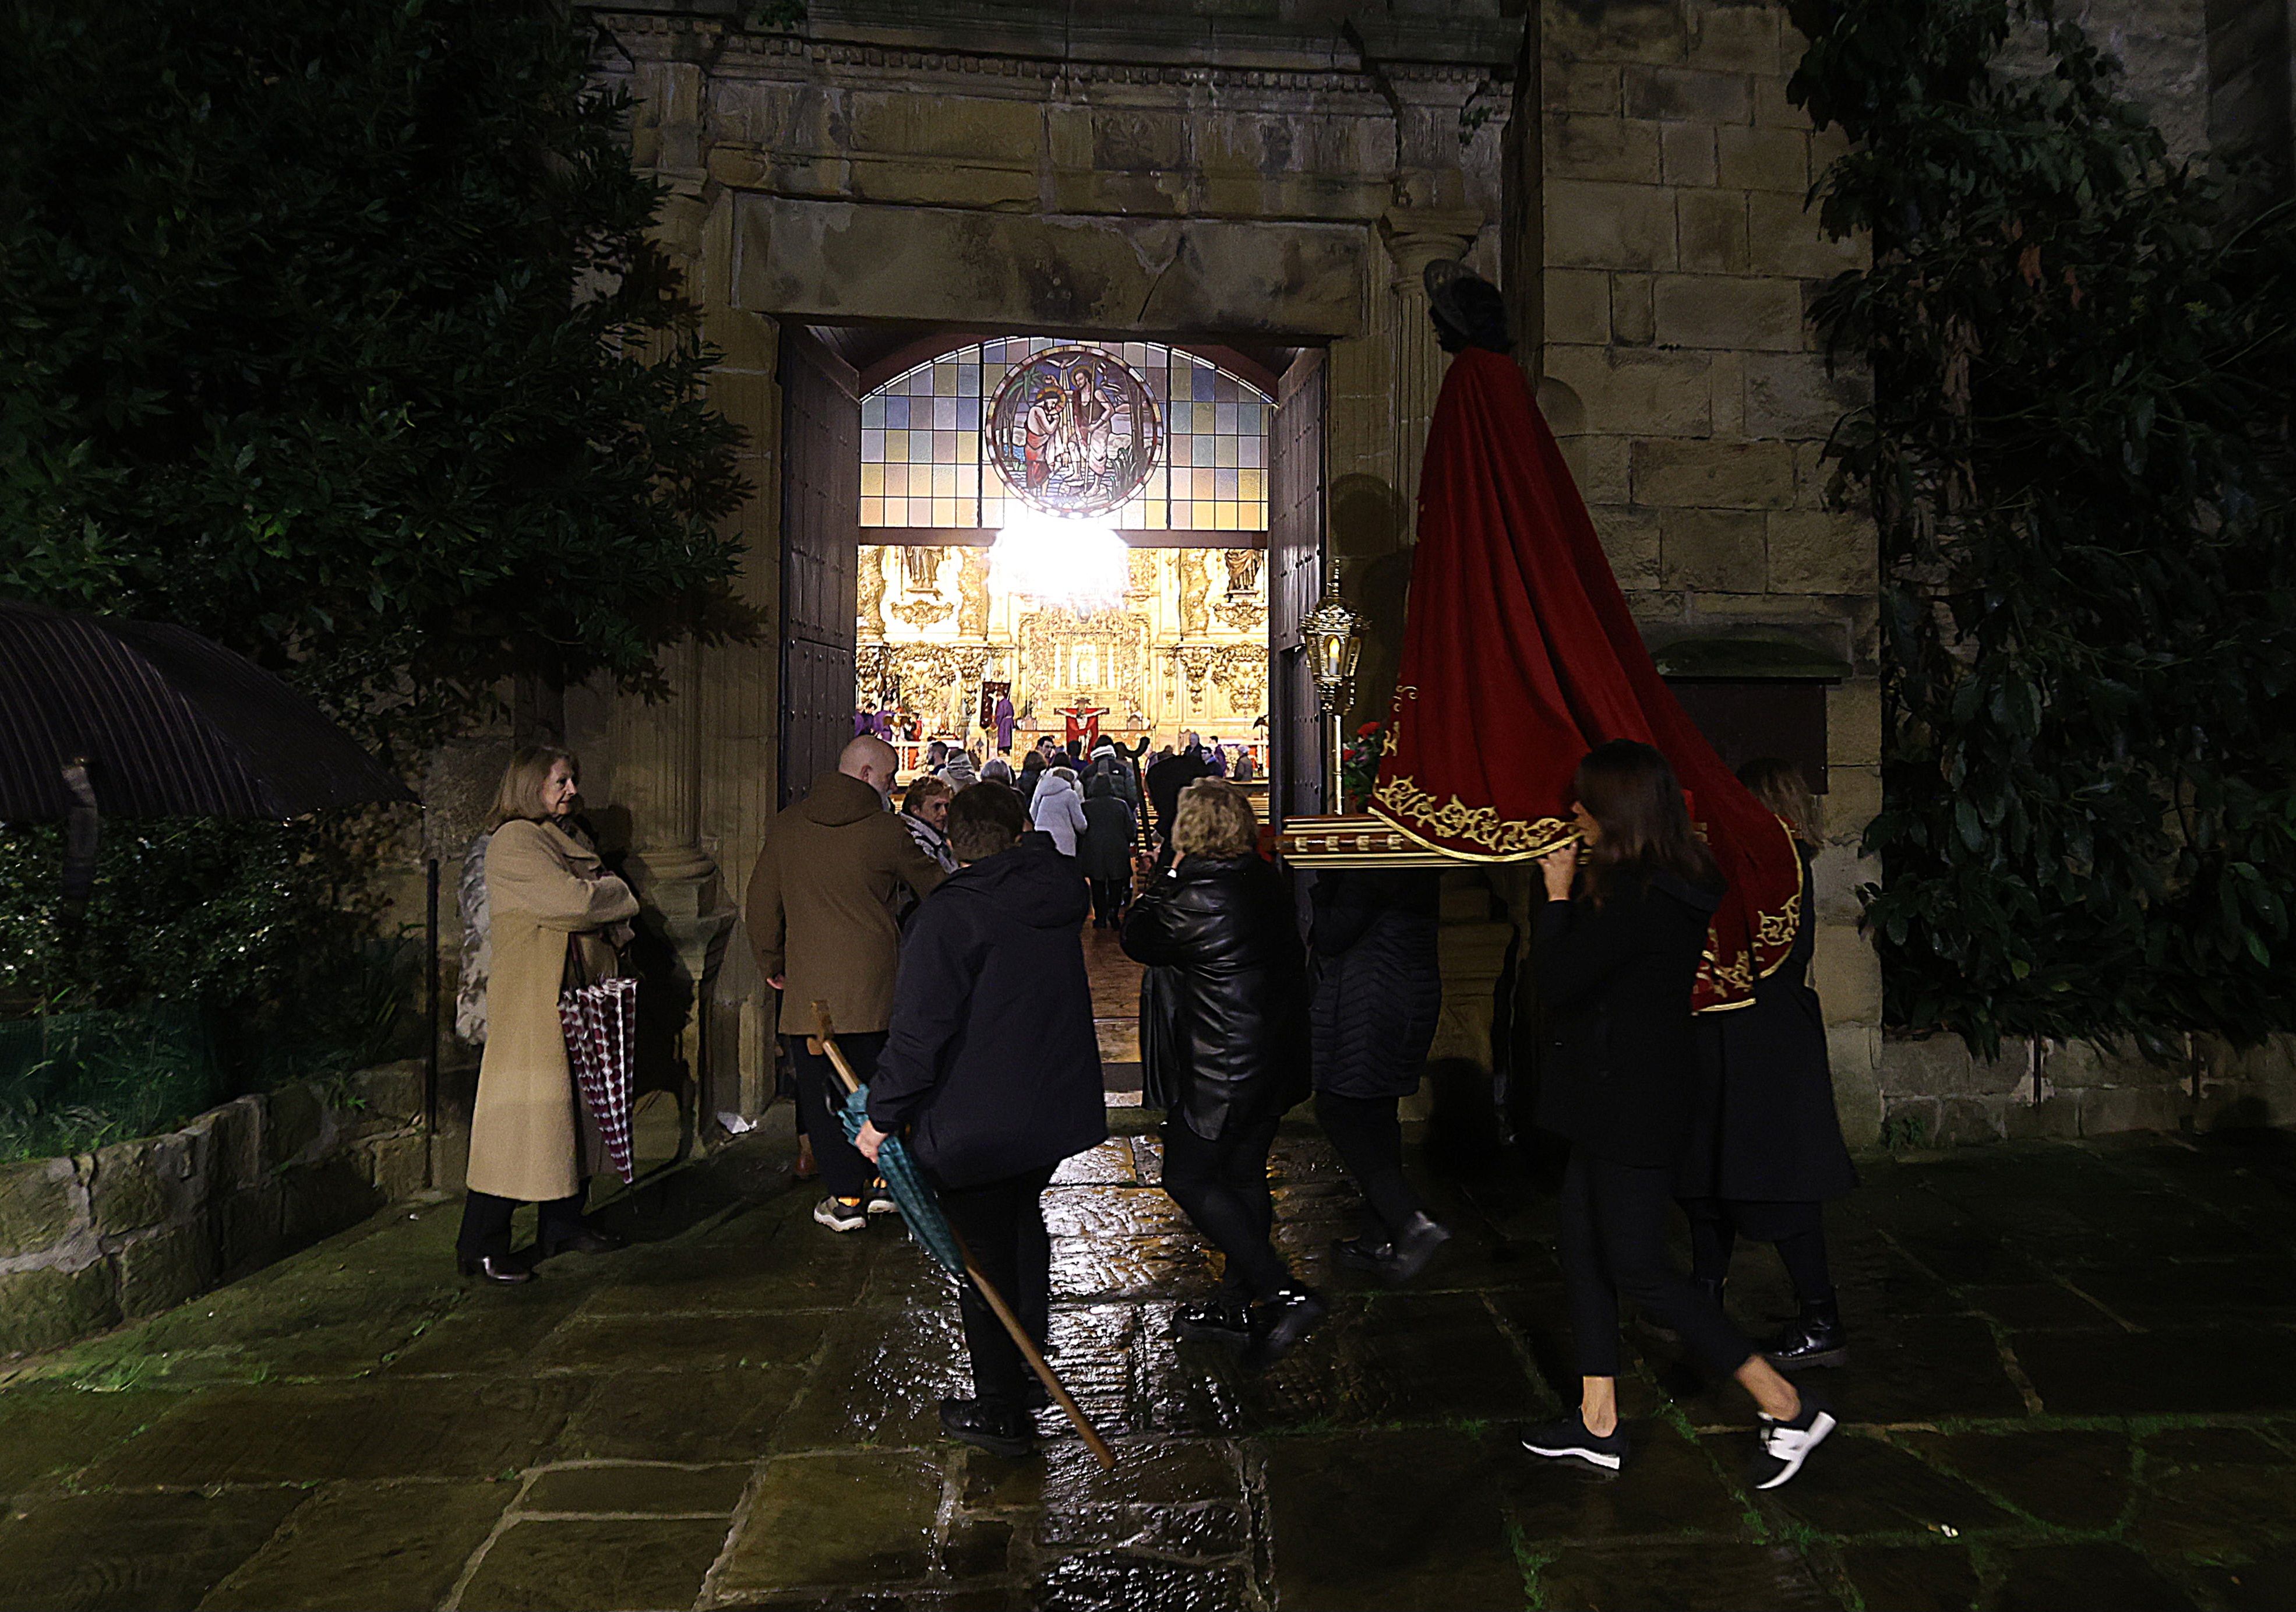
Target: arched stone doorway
{"x": 886, "y": 599}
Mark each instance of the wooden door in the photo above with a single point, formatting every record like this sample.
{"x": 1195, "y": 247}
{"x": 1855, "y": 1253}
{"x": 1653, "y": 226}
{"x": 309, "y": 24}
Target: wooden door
{"x": 1295, "y": 572}
{"x": 821, "y": 536}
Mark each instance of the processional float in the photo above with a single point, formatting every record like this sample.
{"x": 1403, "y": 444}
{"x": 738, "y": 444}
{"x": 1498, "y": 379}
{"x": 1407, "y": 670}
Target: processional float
{"x": 1519, "y": 657}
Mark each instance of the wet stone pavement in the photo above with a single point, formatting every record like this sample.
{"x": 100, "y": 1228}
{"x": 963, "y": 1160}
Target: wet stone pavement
{"x": 2070, "y": 1387}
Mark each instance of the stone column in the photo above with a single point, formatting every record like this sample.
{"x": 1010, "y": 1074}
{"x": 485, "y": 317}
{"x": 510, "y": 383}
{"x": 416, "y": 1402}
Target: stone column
{"x": 658, "y": 758}
{"x": 1416, "y": 237}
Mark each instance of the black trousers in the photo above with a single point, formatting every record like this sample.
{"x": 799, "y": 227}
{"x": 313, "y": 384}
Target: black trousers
{"x": 821, "y": 1095}
{"x": 1002, "y": 1225}
{"x": 1796, "y": 1227}
{"x": 1369, "y": 1138}
{"x": 486, "y": 1222}
{"x": 1108, "y": 899}
{"x": 1612, "y": 1238}
{"x": 1222, "y": 1186}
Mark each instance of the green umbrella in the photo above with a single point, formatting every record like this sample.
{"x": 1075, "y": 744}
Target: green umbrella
{"x": 921, "y": 1210}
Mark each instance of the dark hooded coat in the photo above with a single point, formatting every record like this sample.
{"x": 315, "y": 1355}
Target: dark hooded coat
{"x": 1106, "y": 851}
{"x": 990, "y": 1058}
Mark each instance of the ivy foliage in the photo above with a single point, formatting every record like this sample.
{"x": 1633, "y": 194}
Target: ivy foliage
{"x": 335, "y": 332}
{"x": 2084, "y": 354}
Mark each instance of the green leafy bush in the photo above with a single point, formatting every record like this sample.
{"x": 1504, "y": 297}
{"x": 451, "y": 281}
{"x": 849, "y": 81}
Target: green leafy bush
{"x": 336, "y": 332}
{"x": 2080, "y": 459}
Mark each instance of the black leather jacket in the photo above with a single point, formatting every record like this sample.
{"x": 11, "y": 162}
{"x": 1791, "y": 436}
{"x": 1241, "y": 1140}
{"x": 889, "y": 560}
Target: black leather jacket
{"x": 1223, "y": 1008}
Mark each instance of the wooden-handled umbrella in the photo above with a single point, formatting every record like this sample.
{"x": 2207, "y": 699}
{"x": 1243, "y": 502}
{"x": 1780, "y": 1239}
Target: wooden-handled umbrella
{"x": 931, "y": 1227}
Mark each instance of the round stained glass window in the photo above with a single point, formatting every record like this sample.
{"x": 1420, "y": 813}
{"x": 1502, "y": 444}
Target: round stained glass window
{"x": 1073, "y": 432}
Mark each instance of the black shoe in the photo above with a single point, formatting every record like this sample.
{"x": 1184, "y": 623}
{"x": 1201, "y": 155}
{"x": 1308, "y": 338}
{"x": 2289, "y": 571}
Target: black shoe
{"x": 1814, "y": 1339}
{"x": 1786, "y": 1444}
{"x": 1568, "y": 1440}
{"x": 582, "y": 1240}
{"x": 1279, "y": 1323}
{"x": 504, "y": 1268}
{"x": 1410, "y": 1252}
{"x": 1362, "y": 1253}
{"x": 1219, "y": 1320}
{"x": 999, "y": 1432}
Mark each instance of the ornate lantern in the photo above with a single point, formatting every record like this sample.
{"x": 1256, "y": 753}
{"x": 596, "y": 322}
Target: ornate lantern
{"x": 1332, "y": 635}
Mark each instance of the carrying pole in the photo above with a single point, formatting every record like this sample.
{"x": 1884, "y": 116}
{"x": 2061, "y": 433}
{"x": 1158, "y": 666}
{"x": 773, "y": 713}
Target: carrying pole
{"x": 995, "y": 1300}
{"x": 430, "y": 1060}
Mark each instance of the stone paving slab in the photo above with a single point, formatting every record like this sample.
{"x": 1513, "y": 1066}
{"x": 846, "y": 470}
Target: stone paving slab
{"x": 2069, "y": 1387}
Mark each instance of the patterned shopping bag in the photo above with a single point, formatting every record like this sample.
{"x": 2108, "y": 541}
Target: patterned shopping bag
{"x": 600, "y": 1022}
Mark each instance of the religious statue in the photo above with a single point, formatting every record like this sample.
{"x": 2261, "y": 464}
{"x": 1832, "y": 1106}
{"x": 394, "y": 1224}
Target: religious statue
{"x": 1083, "y": 721}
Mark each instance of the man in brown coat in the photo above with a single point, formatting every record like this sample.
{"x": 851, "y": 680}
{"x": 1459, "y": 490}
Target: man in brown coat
{"x": 821, "y": 908}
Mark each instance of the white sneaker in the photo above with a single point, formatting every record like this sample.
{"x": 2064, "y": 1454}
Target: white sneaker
{"x": 880, "y": 1200}
{"x": 1786, "y": 1444}
{"x": 840, "y": 1215}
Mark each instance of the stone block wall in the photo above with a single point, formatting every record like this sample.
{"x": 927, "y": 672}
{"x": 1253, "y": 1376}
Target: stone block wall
{"x": 92, "y": 1239}
{"x": 1693, "y": 398}
{"x": 1935, "y": 1093}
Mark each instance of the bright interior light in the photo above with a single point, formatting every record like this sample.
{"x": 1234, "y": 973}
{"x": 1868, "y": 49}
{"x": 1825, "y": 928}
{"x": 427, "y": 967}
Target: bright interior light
{"x": 1078, "y": 565}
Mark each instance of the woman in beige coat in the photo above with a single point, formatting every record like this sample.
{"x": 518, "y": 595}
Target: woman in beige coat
{"x": 551, "y": 907}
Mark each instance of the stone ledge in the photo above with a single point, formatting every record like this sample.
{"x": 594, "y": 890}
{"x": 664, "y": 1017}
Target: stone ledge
{"x": 140, "y": 1226}
{"x": 1935, "y": 1093}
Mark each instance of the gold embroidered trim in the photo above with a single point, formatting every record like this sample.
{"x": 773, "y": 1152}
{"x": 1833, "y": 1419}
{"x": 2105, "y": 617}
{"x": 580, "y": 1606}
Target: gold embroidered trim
{"x": 1507, "y": 839}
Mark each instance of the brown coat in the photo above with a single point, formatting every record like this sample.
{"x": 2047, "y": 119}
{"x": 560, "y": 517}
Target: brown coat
{"x": 545, "y": 891}
{"x": 823, "y": 901}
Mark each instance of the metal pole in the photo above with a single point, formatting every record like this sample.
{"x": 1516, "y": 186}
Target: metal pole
{"x": 431, "y": 1059}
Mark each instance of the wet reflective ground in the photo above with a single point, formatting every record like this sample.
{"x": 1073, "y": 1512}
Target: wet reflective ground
{"x": 2073, "y": 1385}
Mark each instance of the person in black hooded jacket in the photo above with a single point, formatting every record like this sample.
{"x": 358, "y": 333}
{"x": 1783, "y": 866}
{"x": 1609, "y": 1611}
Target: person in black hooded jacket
{"x": 1616, "y": 955}
{"x": 992, "y": 962}
{"x": 1224, "y": 1049}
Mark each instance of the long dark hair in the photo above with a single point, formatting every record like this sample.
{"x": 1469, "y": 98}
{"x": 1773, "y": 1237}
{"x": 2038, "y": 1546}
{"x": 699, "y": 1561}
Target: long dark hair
{"x": 1632, "y": 791}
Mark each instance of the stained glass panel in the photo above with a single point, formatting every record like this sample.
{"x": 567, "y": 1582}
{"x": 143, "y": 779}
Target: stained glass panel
{"x": 922, "y": 442}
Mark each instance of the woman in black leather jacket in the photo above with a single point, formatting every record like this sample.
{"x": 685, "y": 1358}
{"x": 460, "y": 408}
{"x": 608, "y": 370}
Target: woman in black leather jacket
{"x": 1224, "y": 1048}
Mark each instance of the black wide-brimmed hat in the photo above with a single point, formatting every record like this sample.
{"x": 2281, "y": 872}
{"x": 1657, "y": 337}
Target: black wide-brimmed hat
{"x": 1468, "y": 309}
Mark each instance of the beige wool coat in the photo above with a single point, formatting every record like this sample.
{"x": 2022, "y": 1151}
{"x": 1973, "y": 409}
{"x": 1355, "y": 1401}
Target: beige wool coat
{"x": 545, "y": 892}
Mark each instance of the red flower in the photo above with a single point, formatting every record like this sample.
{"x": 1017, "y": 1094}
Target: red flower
{"x": 1367, "y": 730}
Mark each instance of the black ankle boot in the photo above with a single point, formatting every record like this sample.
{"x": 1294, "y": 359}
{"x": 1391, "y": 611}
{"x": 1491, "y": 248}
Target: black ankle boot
{"x": 507, "y": 1269}
{"x": 1814, "y": 1338}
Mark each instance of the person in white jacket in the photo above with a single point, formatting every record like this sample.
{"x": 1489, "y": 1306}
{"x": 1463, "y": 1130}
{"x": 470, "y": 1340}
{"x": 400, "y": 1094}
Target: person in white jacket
{"x": 1058, "y": 809}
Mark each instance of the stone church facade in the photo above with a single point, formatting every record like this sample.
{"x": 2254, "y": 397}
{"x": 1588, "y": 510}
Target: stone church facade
{"x": 1273, "y": 178}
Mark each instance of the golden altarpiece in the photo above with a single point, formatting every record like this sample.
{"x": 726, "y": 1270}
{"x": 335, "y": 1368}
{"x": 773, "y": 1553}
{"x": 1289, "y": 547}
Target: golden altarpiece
{"x": 1158, "y": 453}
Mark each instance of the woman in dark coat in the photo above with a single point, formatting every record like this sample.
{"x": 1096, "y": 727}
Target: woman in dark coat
{"x": 1105, "y": 852}
{"x": 1766, "y": 1149}
{"x": 1616, "y": 958}
{"x": 1377, "y": 992}
{"x": 1224, "y": 1049}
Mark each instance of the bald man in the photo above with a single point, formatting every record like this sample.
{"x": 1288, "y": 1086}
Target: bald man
{"x": 821, "y": 917}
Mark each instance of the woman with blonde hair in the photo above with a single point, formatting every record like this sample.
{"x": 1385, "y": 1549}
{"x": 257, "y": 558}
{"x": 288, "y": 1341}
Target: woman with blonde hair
{"x": 554, "y": 911}
{"x": 1224, "y": 1049}
{"x": 1766, "y": 1149}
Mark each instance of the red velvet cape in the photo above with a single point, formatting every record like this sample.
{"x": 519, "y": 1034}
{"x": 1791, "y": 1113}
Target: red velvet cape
{"x": 1520, "y": 656}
